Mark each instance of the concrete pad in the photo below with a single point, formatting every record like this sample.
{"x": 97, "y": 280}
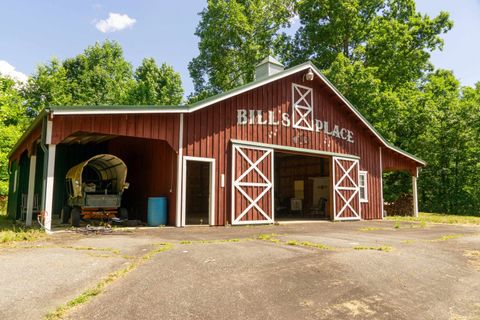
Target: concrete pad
{"x": 425, "y": 276}
{"x": 36, "y": 281}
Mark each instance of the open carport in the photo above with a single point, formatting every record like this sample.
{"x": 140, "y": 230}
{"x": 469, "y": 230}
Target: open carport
{"x": 54, "y": 144}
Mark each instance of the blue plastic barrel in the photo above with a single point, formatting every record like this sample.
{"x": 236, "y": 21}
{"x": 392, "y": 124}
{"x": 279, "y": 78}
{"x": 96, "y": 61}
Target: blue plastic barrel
{"x": 157, "y": 211}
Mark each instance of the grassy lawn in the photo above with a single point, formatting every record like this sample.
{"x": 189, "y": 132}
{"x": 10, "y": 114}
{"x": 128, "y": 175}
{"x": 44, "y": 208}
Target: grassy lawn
{"x": 10, "y": 232}
{"x": 439, "y": 218}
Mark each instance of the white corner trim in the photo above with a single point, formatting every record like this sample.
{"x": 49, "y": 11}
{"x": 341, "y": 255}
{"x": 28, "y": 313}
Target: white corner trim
{"x": 49, "y": 187}
{"x": 178, "y": 213}
{"x": 48, "y": 136}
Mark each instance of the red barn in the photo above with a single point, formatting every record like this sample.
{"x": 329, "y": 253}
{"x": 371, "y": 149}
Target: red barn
{"x": 286, "y": 146}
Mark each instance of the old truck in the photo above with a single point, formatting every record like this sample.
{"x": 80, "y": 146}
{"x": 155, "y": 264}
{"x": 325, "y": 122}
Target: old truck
{"x": 95, "y": 188}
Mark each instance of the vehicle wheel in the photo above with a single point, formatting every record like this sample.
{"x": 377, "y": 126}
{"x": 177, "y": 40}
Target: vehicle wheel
{"x": 123, "y": 213}
{"x": 75, "y": 213}
{"x": 65, "y": 215}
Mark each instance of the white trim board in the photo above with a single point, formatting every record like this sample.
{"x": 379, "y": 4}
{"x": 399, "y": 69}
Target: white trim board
{"x": 178, "y": 209}
{"x": 293, "y": 149}
{"x": 211, "y": 214}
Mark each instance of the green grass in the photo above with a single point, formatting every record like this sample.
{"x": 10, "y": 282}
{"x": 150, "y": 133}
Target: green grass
{"x": 425, "y": 218}
{"x": 448, "y": 237}
{"x": 10, "y": 232}
{"x": 213, "y": 241}
{"x": 372, "y": 229}
{"x": 380, "y": 248}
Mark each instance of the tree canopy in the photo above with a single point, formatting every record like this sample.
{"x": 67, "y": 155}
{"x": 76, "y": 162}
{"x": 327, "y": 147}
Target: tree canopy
{"x": 234, "y": 36}
{"x": 101, "y": 76}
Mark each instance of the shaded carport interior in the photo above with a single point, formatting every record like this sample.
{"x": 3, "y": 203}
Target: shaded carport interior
{"x": 151, "y": 166}
{"x": 394, "y": 162}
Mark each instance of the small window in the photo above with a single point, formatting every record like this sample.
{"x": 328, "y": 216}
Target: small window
{"x": 362, "y": 183}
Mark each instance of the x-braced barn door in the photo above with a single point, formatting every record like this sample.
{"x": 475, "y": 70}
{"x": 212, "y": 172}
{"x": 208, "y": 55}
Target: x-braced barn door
{"x": 346, "y": 191}
{"x": 252, "y": 185}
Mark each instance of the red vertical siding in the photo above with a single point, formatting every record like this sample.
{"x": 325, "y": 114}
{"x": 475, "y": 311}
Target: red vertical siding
{"x": 149, "y": 126}
{"x": 200, "y": 135}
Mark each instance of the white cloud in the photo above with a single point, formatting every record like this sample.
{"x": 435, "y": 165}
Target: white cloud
{"x": 6, "y": 69}
{"x": 115, "y": 22}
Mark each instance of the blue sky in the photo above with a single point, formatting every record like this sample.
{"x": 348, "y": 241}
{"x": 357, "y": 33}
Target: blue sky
{"x": 31, "y": 32}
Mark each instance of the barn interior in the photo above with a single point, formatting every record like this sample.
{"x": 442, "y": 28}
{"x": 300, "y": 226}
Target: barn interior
{"x": 302, "y": 187}
{"x": 151, "y": 167}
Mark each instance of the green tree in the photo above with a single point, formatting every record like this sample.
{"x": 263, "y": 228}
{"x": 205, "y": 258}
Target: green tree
{"x": 157, "y": 85}
{"x": 387, "y": 34}
{"x": 449, "y": 147}
{"x": 101, "y": 76}
{"x": 13, "y": 120}
{"x": 234, "y": 36}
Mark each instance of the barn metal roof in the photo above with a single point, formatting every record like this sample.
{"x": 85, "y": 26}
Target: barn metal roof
{"x": 151, "y": 109}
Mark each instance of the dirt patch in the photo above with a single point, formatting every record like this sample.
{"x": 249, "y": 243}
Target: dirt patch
{"x": 354, "y": 308}
{"x": 474, "y": 259}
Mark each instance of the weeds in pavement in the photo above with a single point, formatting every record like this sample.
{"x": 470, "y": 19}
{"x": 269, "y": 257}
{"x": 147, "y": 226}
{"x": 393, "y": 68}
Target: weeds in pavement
{"x": 214, "y": 241}
{"x": 372, "y": 229}
{"x": 380, "y": 248}
{"x": 448, "y": 237}
{"x": 88, "y": 294}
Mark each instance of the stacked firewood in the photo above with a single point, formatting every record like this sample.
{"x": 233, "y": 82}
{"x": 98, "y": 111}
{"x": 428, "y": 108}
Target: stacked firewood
{"x": 403, "y": 206}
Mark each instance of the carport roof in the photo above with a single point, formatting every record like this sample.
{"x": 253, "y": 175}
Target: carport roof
{"x": 133, "y": 109}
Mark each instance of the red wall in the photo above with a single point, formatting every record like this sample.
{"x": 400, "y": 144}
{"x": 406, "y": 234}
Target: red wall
{"x": 207, "y": 133}
{"x": 152, "y": 172}
{"x": 150, "y": 126}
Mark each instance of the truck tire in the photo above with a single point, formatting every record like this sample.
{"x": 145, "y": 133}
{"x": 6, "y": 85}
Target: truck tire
{"x": 65, "y": 215}
{"x": 123, "y": 213}
{"x": 75, "y": 213}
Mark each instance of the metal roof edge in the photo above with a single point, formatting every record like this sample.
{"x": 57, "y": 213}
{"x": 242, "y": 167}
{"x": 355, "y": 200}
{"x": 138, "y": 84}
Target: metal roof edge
{"x": 365, "y": 121}
{"x": 248, "y": 86}
{"x": 117, "y": 109}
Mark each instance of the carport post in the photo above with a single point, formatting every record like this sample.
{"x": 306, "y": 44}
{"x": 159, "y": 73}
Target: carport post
{"x": 31, "y": 190}
{"x": 178, "y": 216}
{"x": 49, "y": 187}
{"x": 415, "y": 194}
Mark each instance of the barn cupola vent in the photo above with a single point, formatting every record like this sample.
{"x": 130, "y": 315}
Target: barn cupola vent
{"x": 267, "y": 67}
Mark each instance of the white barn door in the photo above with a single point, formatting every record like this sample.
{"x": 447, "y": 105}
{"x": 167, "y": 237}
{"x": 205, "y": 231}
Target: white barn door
{"x": 346, "y": 191}
{"x": 252, "y": 185}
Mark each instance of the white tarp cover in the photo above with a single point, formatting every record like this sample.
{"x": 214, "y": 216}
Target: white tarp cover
{"x": 108, "y": 166}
